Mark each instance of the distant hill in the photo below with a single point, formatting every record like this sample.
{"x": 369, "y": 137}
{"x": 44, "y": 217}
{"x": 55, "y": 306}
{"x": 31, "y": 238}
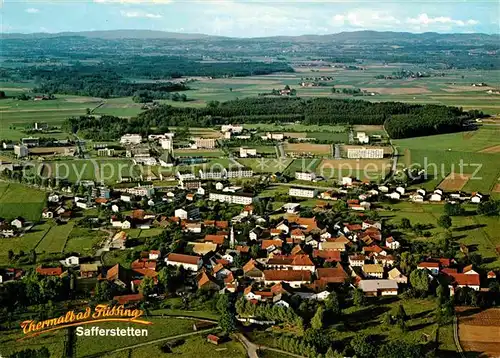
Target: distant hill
{"x": 355, "y": 36}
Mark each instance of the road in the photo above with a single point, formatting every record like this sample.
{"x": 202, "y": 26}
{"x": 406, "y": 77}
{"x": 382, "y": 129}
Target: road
{"x": 456, "y": 338}
{"x": 253, "y": 349}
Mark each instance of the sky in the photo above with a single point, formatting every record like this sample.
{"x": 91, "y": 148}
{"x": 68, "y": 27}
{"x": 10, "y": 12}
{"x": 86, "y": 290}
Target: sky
{"x": 251, "y": 18}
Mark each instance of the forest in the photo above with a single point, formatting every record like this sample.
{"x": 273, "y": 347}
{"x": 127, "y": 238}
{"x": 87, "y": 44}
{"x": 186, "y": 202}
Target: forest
{"x": 401, "y": 120}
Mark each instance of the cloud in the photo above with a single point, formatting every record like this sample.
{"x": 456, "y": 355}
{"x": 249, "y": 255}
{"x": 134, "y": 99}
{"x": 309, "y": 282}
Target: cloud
{"x": 423, "y": 20}
{"x": 133, "y": 1}
{"x": 366, "y": 18}
{"x": 140, "y": 14}
{"x": 32, "y": 10}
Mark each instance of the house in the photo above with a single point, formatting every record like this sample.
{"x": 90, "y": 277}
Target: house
{"x": 332, "y": 246}
{"x": 357, "y": 260}
{"x": 127, "y": 299}
{"x": 437, "y": 195}
{"x": 18, "y": 222}
{"x": 476, "y": 198}
{"x": 433, "y": 267}
{"x": 401, "y": 190}
{"x": 131, "y": 139}
{"x": 373, "y": 270}
{"x": 370, "y": 223}
{"x": 397, "y": 276}
{"x": 328, "y": 256}
{"x": 392, "y": 243}
{"x": 383, "y": 189}
{"x": 192, "y": 263}
{"x": 374, "y": 250}
{"x": 292, "y": 262}
{"x": 47, "y": 214}
{"x": 394, "y": 195}
{"x": 194, "y": 227}
{"x": 332, "y": 275}
{"x": 297, "y": 234}
{"x": 458, "y": 280}
{"x": 207, "y": 282}
{"x": 417, "y": 198}
{"x": 379, "y": 287}
{"x": 251, "y": 269}
{"x": 211, "y": 338}
{"x": 216, "y": 239}
{"x": 89, "y": 270}
{"x": 491, "y": 275}
{"x": 71, "y": 261}
{"x": 291, "y": 208}
{"x": 346, "y": 181}
{"x": 118, "y": 240}
{"x": 295, "y": 278}
{"x": 307, "y": 176}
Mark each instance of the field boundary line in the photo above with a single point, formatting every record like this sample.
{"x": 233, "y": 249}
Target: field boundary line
{"x": 5, "y": 191}
{"x": 456, "y": 338}
{"x": 486, "y": 235}
{"x": 67, "y": 239}
{"x": 43, "y": 237}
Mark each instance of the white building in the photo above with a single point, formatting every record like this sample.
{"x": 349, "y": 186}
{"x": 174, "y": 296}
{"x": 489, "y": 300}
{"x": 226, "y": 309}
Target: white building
{"x": 362, "y": 138}
{"x": 302, "y": 192}
{"x": 215, "y": 173}
{"x": 131, "y": 139}
{"x": 365, "y": 153}
{"x": 240, "y": 172}
{"x": 275, "y": 136}
{"x": 231, "y": 198}
{"x": 231, "y": 128}
{"x": 207, "y": 143}
{"x": 21, "y": 151}
{"x": 167, "y": 144}
{"x": 347, "y": 181}
{"x": 379, "y": 287}
{"x": 476, "y": 199}
{"x": 308, "y": 176}
{"x": 248, "y": 152}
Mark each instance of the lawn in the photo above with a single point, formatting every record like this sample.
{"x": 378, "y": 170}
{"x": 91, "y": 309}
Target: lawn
{"x": 19, "y": 200}
{"x": 195, "y": 346}
{"x": 302, "y": 165}
{"x": 161, "y": 327}
{"x": 266, "y": 165}
{"x": 26, "y": 242}
{"x": 54, "y": 342}
{"x": 55, "y": 239}
{"x": 83, "y": 240}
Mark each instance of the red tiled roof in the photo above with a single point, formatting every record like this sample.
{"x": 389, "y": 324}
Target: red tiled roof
{"x": 297, "y": 232}
{"x": 302, "y": 260}
{"x": 216, "y": 239}
{"x": 373, "y": 248}
{"x": 327, "y": 255}
{"x": 287, "y": 275}
{"x": 332, "y": 275}
{"x": 122, "y": 300}
{"x": 143, "y": 264}
{"x": 429, "y": 264}
{"x": 187, "y": 259}
{"x": 49, "y": 271}
{"x": 353, "y": 227}
{"x": 463, "y": 279}
{"x": 268, "y": 243}
{"x": 241, "y": 248}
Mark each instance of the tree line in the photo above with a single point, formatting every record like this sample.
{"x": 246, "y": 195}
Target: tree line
{"x": 401, "y": 120}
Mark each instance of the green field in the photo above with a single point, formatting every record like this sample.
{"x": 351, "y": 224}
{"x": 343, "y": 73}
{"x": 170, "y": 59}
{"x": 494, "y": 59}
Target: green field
{"x": 54, "y": 342}
{"x": 368, "y": 320}
{"x": 266, "y": 165}
{"x": 83, "y": 240}
{"x": 195, "y": 346}
{"x": 478, "y": 232}
{"x": 161, "y": 327}
{"x": 19, "y": 200}
{"x": 442, "y": 154}
{"x": 107, "y": 170}
{"x": 55, "y": 239}
{"x": 302, "y": 165}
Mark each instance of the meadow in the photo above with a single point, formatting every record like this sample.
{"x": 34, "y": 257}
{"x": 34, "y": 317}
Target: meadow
{"x": 479, "y": 233}
{"x": 444, "y": 154}
{"x": 55, "y": 239}
{"x": 195, "y": 346}
{"x": 19, "y": 200}
{"x": 367, "y": 320}
{"x": 107, "y": 170}
{"x": 83, "y": 240}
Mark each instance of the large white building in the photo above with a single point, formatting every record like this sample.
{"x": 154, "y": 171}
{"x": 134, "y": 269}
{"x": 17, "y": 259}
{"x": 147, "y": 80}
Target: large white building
{"x": 208, "y": 143}
{"x": 215, "y": 173}
{"x": 365, "y": 153}
{"x": 362, "y": 137}
{"x": 248, "y": 152}
{"x": 21, "y": 151}
{"x": 131, "y": 139}
{"x": 240, "y": 172}
{"x": 231, "y": 198}
{"x": 302, "y": 192}
{"x": 167, "y": 144}
{"x": 308, "y": 176}
{"x": 231, "y": 128}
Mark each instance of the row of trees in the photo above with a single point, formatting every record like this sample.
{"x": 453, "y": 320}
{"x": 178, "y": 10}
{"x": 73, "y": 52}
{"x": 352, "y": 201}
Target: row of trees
{"x": 400, "y": 119}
